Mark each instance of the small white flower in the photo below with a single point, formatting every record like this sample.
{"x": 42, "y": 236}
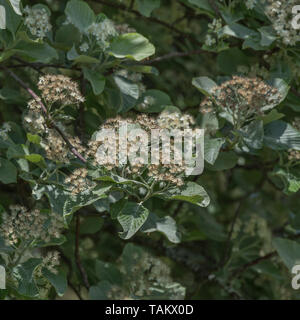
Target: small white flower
{"x": 84, "y": 47}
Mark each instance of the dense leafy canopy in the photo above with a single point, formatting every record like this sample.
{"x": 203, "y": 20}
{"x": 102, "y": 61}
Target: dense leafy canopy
{"x": 74, "y": 229}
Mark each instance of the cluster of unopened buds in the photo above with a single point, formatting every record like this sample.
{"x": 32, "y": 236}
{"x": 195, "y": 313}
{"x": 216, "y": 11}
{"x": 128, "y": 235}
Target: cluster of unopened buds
{"x": 213, "y": 34}
{"x": 103, "y": 31}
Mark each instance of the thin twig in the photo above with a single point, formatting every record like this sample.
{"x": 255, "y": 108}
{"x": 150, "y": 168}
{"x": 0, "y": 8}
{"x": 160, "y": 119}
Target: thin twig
{"x": 215, "y": 7}
{"x": 152, "y": 19}
{"x": 252, "y": 263}
{"x": 172, "y": 55}
{"x": 227, "y": 244}
{"x": 77, "y": 255}
{"x": 45, "y": 113}
{"x": 40, "y": 65}
{"x": 131, "y": 5}
{"x": 30, "y": 65}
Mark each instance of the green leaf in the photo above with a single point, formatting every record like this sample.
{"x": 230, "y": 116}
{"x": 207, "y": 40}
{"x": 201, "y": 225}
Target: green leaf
{"x": 204, "y": 84}
{"x": 159, "y": 100}
{"x": 59, "y": 281}
{"x": 132, "y": 46}
{"x": 100, "y": 291}
{"x": 68, "y": 35}
{"x": 283, "y": 89}
{"x": 191, "y": 192}
{"x": 2, "y": 17}
{"x": 280, "y": 135}
{"x": 117, "y": 179}
{"x": 165, "y": 225}
{"x": 34, "y": 138}
{"x": 80, "y": 14}
{"x": 129, "y": 93}
{"x": 34, "y": 158}
{"x": 8, "y": 172}
{"x": 290, "y": 179}
{"x": 145, "y": 7}
{"x": 288, "y": 250}
{"x": 225, "y": 161}
{"x": 202, "y": 4}
{"x": 239, "y": 31}
{"x": 79, "y": 58}
{"x": 131, "y": 256}
{"x": 109, "y": 272}
{"x": 16, "y": 6}
{"x": 9, "y": 17}
{"x": 96, "y": 79}
{"x": 91, "y": 225}
{"x": 142, "y": 69}
{"x": 253, "y": 134}
{"x": 36, "y": 52}
{"x": 15, "y": 151}
{"x": 131, "y": 218}
{"x": 83, "y": 199}
{"x": 273, "y": 115}
{"x": 206, "y": 227}
{"x": 268, "y": 35}
{"x": 210, "y": 227}
{"x": 24, "y": 273}
{"x": 229, "y": 60}
{"x": 57, "y": 196}
{"x": 117, "y": 207}
{"x": 212, "y": 148}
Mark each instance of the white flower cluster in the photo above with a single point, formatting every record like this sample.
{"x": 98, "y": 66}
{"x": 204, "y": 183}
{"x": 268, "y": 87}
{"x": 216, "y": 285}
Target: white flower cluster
{"x": 37, "y": 20}
{"x": 250, "y": 4}
{"x": 255, "y": 226}
{"x": 153, "y": 277}
{"x": 59, "y": 88}
{"x": 56, "y": 148}
{"x": 34, "y": 122}
{"x": 147, "y": 102}
{"x": 103, "y": 31}
{"x": 84, "y": 47}
{"x": 169, "y": 173}
{"x": 4, "y": 130}
{"x": 243, "y": 98}
{"x": 175, "y": 120}
{"x": 213, "y": 34}
{"x": 78, "y": 181}
{"x": 23, "y": 225}
{"x": 296, "y": 123}
{"x": 280, "y": 13}
{"x": 50, "y": 262}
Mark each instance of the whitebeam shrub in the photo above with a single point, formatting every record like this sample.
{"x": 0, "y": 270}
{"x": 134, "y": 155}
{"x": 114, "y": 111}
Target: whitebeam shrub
{"x": 79, "y": 222}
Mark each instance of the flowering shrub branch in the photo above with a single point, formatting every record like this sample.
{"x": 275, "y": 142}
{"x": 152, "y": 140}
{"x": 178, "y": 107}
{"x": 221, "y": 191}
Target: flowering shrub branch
{"x": 78, "y": 222}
